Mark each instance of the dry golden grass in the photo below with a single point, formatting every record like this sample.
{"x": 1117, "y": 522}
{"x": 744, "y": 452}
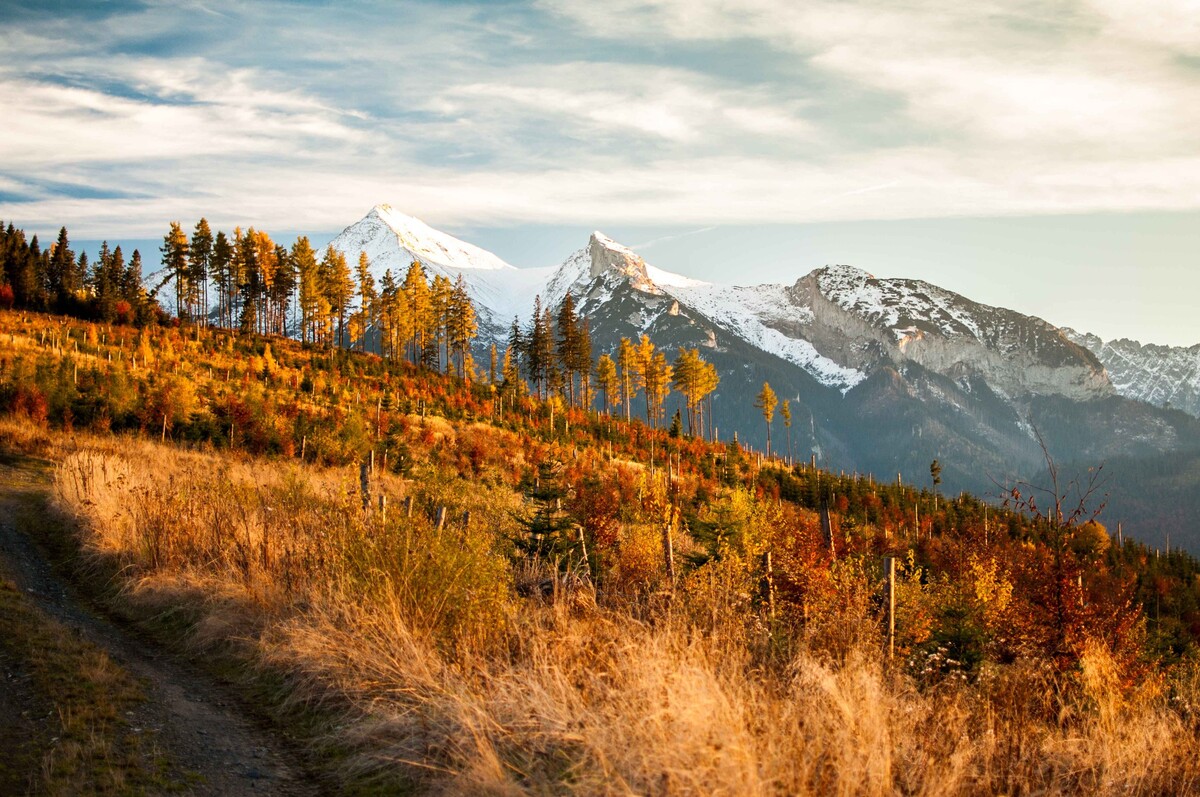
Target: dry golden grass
{"x": 450, "y": 683}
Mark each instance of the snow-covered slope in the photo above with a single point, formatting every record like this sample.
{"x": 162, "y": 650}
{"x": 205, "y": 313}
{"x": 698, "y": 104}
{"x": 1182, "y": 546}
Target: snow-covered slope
{"x": 1165, "y": 376}
{"x": 392, "y": 241}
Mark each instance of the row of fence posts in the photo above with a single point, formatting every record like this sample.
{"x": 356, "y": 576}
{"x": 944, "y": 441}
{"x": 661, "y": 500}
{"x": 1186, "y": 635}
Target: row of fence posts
{"x": 889, "y": 562}
{"x": 367, "y": 467}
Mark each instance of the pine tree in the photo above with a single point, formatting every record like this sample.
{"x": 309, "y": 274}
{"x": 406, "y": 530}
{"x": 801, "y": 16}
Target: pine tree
{"x": 439, "y": 324}
{"x": 368, "y": 298}
{"x": 566, "y": 344}
{"x": 267, "y": 263}
{"x": 416, "y": 295}
{"x": 283, "y": 288}
{"x": 656, "y": 380}
{"x": 106, "y": 285}
{"x": 200, "y": 252}
{"x": 390, "y": 316}
{"x": 606, "y": 381}
{"x": 62, "y": 274}
{"x": 338, "y": 288}
{"x": 175, "y": 260}
{"x": 516, "y": 347}
{"x": 308, "y": 278}
{"x": 219, "y": 267}
{"x": 627, "y": 361}
{"x": 461, "y": 327}
{"x": 133, "y": 291}
{"x": 511, "y": 383}
{"x": 39, "y": 267}
{"x": 249, "y": 282}
{"x": 766, "y": 401}
{"x": 785, "y": 411}
{"x": 581, "y": 361}
{"x": 535, "y": 347}
{"x": 695, "y": 379}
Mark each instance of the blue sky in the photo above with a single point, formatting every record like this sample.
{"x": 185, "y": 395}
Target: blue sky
{"x": 1040, "y": 155}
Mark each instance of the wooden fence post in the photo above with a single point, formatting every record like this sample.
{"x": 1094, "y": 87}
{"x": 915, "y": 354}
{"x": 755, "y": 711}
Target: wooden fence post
{"x": 889, "y": 567}
{"x": 364, "y": 483}
{"x": 770, "y": 583}
{"x": 669, "y": 546}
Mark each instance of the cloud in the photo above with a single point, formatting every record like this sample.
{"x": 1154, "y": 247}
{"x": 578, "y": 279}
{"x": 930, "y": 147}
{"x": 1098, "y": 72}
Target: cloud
{"x": 679, "y": 111}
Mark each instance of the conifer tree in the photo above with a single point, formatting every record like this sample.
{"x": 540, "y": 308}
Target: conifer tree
{"x": 438, "y": 355}
{"x": 283, "y": 288}
{"x": 390, "y": 315}
{"x": 766, "y": 401}
{"x": 368, "y": 298}
{"x": 534, "y": 349}
{"x": 461, "y": 327}
{"x": 419, "y": 306}
{"x": 338, "y": 288}
{"x": 267, "y": 265}
{"x": 511, "y": 383}
{"x": 62, "y": 273}
{"x": 566, "y": 345}
{"x": 250, "y": 282}
{"x": 656, "y": 380}
{"x": 308, "y": 279}
{"x": 132, "y": 290}
{"x": 627, "y": 361}
{"x": 175, "y": 260}
{"x": 516, "y": 345}
{"x": 106, "y": 285}
{"x": 785, "y": 412}
{"x": 695, "y": 379}
{"x": 219, "y": 268}
{"x": 200, "y": 252}
{"x": 606, "y": 381}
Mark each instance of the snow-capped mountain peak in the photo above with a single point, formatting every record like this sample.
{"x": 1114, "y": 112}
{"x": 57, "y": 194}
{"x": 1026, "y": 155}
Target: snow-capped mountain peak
{"x": 433, "y": 245}
{"x": 607, "y": 256}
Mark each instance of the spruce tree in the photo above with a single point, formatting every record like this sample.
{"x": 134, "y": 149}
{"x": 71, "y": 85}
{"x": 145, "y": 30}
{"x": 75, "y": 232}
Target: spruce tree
{"x": 200, "y": 252}
{"x": 566, "y": 345}
{"x": 62, "y": 274}
{"x": 175, "y": 260}
{"x": 219, "y": 269}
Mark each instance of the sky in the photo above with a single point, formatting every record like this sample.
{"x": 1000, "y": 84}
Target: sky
{"x": 1042, "y": 156}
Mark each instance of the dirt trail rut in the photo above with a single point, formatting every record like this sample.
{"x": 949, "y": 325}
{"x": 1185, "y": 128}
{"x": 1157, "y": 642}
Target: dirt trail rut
{"x": 196, "y": 721}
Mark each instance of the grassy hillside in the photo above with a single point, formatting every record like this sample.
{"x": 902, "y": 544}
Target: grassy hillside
{"x": 552, "y": 601}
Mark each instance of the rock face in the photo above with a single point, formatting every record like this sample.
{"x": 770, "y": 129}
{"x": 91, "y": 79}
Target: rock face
{"x": 871, "y": 322}
{"x": 1165, "y": 376}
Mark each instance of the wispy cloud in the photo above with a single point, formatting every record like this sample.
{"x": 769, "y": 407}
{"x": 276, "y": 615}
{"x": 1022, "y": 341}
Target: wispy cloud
{"x": 665, "y": 238}
{"x": 667, "y": 111}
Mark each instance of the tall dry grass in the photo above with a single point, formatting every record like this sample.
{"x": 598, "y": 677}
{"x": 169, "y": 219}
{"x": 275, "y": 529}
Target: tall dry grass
{"x": 450, "y": 683}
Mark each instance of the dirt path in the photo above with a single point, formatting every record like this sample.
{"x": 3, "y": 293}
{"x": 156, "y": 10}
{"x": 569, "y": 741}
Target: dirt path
{"x": 197, "y": 723}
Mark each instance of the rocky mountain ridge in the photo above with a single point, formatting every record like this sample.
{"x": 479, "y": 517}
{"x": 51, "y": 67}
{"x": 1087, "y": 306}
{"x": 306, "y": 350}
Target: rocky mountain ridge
{"x": 1165, "y": 376}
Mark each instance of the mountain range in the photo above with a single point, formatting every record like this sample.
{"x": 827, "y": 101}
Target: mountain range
{"x": 883, "y": 375}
